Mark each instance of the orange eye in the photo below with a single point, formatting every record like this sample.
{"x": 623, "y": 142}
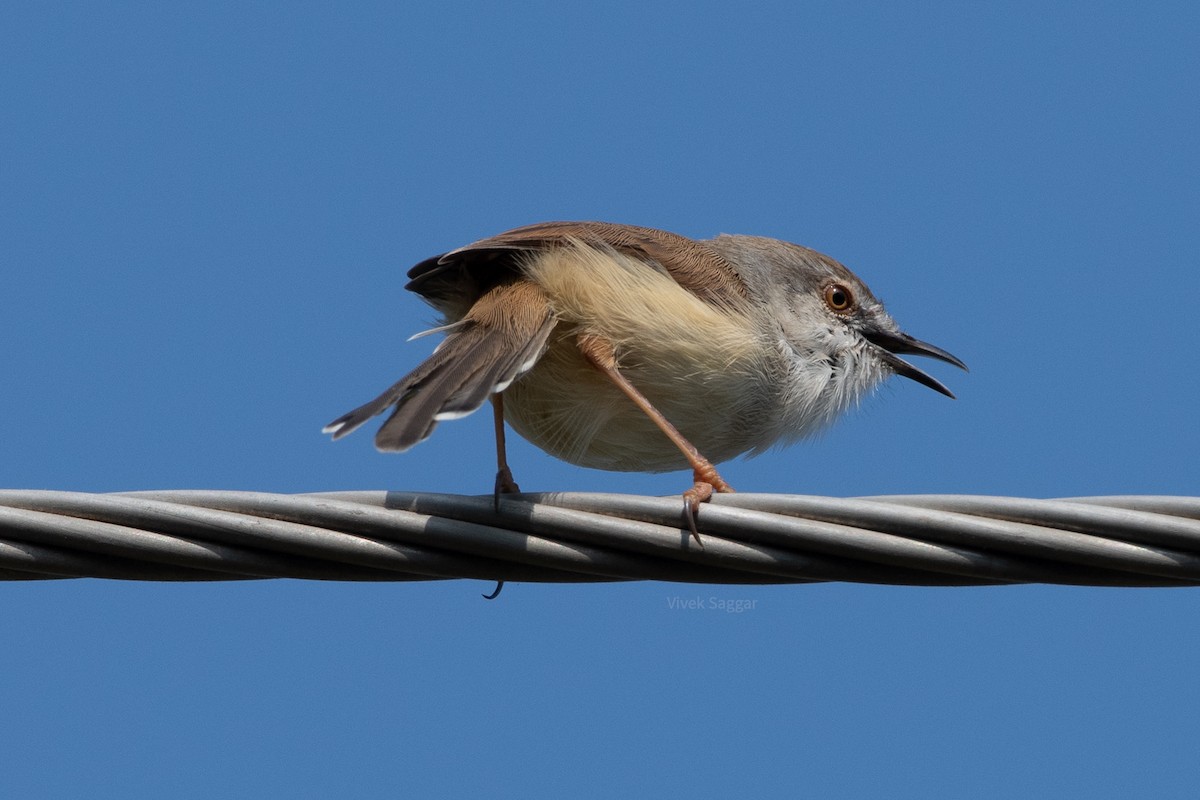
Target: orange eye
{"x": 839, "y": 298}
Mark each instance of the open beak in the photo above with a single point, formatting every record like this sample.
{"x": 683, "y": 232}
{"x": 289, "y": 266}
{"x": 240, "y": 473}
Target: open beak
{"x": 892, "y": 342}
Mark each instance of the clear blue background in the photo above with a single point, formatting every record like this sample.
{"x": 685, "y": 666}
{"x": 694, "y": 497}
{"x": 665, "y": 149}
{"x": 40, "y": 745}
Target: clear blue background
{"x": 206, "y": 211}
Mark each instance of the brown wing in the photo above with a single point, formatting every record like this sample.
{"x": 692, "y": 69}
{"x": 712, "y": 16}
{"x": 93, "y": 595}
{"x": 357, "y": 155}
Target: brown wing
{"x": 452, "y": 281}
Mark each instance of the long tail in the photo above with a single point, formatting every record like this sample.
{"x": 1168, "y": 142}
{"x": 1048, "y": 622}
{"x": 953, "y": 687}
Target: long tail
{"x": 499, "y": 339}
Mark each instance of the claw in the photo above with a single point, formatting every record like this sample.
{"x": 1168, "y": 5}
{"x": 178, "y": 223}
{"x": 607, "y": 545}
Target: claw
{"x": 504, "y": 485}
{"x": 707, "y": 481}
{"x": 692, "y": 498}
{"x": 495, "y": 594}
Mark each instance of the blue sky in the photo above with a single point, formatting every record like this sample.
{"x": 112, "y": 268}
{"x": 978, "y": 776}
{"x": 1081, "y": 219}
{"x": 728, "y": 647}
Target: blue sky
{"x": 206, "y": 212}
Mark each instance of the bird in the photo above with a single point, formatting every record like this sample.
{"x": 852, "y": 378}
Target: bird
{"x": 628, "y": 348}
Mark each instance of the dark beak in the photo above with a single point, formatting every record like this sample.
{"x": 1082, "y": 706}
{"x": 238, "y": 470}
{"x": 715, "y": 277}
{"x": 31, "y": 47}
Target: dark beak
{"x": 892, "y": 342}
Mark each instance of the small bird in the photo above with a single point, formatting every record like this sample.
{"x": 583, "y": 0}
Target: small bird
{"x": 634, "y": 349}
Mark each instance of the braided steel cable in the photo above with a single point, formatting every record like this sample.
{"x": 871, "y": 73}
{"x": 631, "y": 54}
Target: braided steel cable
{"x": 932, "y": 540}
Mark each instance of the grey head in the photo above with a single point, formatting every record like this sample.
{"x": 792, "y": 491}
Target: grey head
{"x": 822, "y": 310}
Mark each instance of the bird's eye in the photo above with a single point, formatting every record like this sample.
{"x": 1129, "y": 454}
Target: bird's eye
{"x": 839, "y": 298}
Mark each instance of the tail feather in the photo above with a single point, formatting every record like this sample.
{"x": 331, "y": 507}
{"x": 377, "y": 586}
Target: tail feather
{"x": 502, "y": 336}
{"x": 471, "y": 396}
{"x": 459, "y": 364}
{"x": 353, "y": 420}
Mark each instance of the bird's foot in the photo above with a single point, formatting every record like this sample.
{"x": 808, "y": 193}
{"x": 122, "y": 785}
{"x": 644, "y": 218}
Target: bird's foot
{"x": 707, "y": 481}
{"x": 504, "y": 485}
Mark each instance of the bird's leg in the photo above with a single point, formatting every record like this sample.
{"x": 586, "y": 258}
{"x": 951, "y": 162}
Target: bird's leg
{"x": 599, "y": 352}
{"x": 504, "y": 479}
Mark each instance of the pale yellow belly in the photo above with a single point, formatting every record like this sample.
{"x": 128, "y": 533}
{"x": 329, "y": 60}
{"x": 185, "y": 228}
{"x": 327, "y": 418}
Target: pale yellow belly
{"x": 572, "y": 411}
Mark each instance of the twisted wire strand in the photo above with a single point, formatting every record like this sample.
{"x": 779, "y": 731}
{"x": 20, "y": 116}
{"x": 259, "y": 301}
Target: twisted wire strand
{"x": 933, "y": 540}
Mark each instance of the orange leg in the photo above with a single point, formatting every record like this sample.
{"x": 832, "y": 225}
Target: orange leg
{"x": 504, "y": 479}
{"x": 599, "y": 352}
